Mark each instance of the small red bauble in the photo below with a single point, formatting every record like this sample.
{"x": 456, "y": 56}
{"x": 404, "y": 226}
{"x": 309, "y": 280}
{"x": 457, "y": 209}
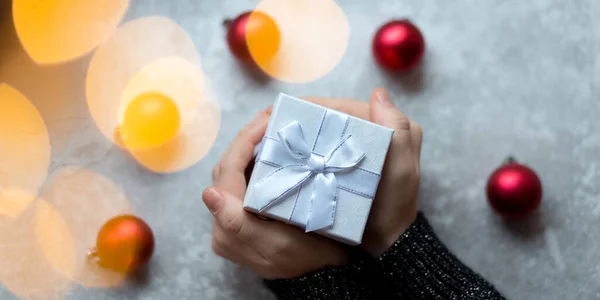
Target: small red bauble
{"x": 514, "y": 190}
{"x": 398, "y": 45}
{"x": 256, "y": 28}
{"x": 124, "y": 244}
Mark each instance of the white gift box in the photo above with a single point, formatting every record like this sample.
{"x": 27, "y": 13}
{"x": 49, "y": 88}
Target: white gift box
{"x": 318, "y": 169}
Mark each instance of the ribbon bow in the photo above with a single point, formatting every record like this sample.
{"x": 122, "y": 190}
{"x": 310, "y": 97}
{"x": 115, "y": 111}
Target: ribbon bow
{"x": 301, "y": 164}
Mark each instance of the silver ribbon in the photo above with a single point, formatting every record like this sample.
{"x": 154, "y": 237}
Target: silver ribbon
{"x": 296, "y": 163}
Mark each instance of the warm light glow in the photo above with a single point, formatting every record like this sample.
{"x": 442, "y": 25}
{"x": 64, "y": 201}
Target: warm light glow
{"x": 55, "y": 239}
{"x": 151, "y": 120}
{"x": 54, "y": 31}
{"x": 264, "y": 36}
{"x": 314, "y": 37}
{"x": 25, "y": 271}
{"x": 85, "y": 200}
{"x": 58, "y": 94}
{"x": 24, "y": 144}
{"x": 134, "y": 45}
{"x": 13, "y": 202}
{"x": 186, "y": 85}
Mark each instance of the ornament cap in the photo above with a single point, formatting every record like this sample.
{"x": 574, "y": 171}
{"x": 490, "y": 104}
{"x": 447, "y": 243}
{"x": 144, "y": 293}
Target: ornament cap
{"x": 227, "y": 22}
{"x": 92, "y": 253}
{"x": 510, "y": 160}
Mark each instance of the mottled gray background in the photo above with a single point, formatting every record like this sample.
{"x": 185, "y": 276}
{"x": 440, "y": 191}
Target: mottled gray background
{"x": 500, "y": 77}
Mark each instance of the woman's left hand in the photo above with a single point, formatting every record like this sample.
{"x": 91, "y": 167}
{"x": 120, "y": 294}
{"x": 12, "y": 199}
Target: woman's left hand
{"x": 272, "y": 249}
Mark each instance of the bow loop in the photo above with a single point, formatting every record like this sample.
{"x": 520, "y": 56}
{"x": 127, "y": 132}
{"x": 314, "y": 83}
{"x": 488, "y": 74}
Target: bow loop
{"x": 345, "y": 155}
{"x": 292, "y": 138}
{"x": 290, "y": 177}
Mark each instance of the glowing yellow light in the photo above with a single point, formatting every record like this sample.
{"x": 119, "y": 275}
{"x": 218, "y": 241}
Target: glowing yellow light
{"x": 54, "y": 31}
{"x": 24, "y": 143}
{"x": 133, "y": 46}
{"x": 264, "y": 36}
{"x": 151, "y": 120}
{"x": 314, "y": 37}
{"x": 184, "y": 83}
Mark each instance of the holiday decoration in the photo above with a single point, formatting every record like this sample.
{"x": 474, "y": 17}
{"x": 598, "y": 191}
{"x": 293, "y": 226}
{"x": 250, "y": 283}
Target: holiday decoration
{"x": 514, "y": 190}
{"x": 318, "y": 169}
{"x": 256, "y": 28}
{"x": 151, "y": 120}
{"x": 398, "y": 45}
{"x": 124, "y": 244}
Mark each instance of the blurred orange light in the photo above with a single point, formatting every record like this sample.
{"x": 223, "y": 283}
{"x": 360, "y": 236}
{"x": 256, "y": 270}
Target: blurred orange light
{"x": 54, "y": 237}
{"x": 134, "y": 45}
{"x": 25, "y": 271}
{"x": 150, "y": 120}
{"x": 264, "y": 36}
{"x": 314, "y": 37}
{"x": 24, "y": 146}
{"x": 13, "y": 202}
{"x": 85, "y": 201}
{"x": 54, "y": 31}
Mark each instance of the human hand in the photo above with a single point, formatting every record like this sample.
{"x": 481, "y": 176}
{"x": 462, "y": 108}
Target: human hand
{"x": 272, "y": 249}
{"x": 395, "y": 206}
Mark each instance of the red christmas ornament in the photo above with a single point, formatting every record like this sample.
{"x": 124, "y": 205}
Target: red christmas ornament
{"x": 514, "y": 190}
{"x": 398, "y": 45}
{"x": 257, "y": 28}
{"x": 124, "y": 244}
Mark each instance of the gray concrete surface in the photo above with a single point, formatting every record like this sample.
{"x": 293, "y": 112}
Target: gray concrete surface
{"x": 500, "y": 77}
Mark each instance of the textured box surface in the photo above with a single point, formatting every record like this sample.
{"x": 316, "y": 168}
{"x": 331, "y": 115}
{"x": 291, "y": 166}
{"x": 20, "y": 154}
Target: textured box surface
{"x": 352, "y": 210}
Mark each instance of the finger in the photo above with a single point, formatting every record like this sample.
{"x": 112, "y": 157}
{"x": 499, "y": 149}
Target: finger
{"x": 241, "y": 149}
{"x": 234, "y": 220}
{"x": 383, "y": 112}
{"x": 349, "y": 106}
{"x": 416, "y": 139}
{"x": 229, "y": 173}
{"x": 233, "y": 249}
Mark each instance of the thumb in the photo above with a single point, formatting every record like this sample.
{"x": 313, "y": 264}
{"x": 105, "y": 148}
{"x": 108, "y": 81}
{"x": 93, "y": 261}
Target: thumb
{"x": 228, "y": 213}
{"x": 383, "y": 112}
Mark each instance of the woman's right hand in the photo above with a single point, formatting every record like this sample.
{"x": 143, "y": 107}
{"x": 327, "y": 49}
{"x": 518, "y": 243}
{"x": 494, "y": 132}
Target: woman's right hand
{"x": 395, "y": 206}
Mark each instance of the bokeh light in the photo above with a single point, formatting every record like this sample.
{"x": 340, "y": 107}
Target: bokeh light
{"x": 58, "y": 93}
{"x": 13, "y": 202}
{"x": 26, "y": 271}
{"x": 54, "y": 31}
{"x": 314, "y": 38}
{"x": 54, "y": 238}
{"x": 133, "y": 46}
{"x": 151, "y": 120}
{"x": 24, "y": 150}
{"x": 184, "y": 83}
{"x": 85, "y": 200}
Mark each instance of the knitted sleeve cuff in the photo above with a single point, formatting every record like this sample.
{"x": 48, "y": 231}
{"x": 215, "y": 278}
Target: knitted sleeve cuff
{"x": 418, "y": 266}
{"x": 347, "y": 282}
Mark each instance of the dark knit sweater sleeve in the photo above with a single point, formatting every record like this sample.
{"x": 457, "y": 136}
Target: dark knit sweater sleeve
{"x": 348, "y": 282}
{"x": 417, "y": 266}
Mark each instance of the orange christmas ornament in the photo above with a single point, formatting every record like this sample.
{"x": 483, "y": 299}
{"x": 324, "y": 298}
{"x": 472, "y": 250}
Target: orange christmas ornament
{"x": 151, "y": 120}
{"x": 124, "y": 244}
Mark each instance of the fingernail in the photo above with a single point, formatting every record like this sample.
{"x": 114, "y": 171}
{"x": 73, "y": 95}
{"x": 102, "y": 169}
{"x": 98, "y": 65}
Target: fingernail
{"x": 383, "y": 98}
{"x": 213, "y": 199}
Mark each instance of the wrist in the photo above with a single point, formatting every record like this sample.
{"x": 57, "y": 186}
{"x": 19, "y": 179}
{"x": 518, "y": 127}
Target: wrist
{"x": 378, "y": 240}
